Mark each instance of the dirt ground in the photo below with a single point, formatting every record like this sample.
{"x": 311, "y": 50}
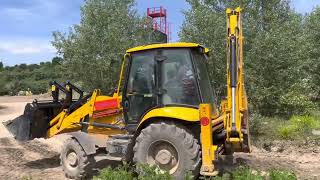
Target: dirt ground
{"x": 39, "y": 158}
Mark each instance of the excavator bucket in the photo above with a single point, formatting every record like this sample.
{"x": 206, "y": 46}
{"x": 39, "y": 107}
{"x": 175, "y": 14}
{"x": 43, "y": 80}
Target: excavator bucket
{"x": 37, "y": 115}
{"x": 35, "y": 120}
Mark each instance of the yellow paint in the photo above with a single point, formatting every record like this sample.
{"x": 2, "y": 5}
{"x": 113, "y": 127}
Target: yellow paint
{"x": 65, "y": 122}
{"x": 233, "y": 23}
{"x": 183, "y": 113}
{"x": 207, "y": 147}
{"x": 234, "y": 29}
{"x": 165, "y": 45}
{"x": 53, "y": 88}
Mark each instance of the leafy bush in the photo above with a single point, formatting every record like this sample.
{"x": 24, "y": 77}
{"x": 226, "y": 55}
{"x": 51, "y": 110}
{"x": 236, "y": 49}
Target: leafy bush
{"x": 263, "y": 127}
{"x": 115, "y": 174}
{"x": 281, "y": 175}
{"x": 245, "y": 173}
{"x": 256, "y": 122}
{"x": 36, "y": 77}
{"x": 298, "y": 127}
{"x": 287, "y": 132}
{"x": 146, "y": 172}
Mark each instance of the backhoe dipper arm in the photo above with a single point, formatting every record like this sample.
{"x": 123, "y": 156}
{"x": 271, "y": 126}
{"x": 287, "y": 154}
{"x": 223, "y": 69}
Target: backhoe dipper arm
{"x": 236, "y": 109}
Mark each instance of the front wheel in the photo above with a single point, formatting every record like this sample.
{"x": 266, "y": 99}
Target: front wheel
{"x": 170, "y": 147}
{"x": 76, "y": 164}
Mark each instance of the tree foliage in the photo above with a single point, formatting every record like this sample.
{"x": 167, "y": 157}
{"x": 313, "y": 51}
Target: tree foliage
{"x": 311, "y": 53}
{"x": 273, "y": 51}
{"x": 1, "y": 65}
{"x": 34, "y": 77}
{"x": 93, "y": 49}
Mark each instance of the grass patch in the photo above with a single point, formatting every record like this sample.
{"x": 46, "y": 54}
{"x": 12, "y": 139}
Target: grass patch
{"x": 152, "y": 173}
{"x": 281, "y": 175}
{"x": 297, "y": 128}
{"x": 245, "y": 173}
{"x": 146, "y": 172}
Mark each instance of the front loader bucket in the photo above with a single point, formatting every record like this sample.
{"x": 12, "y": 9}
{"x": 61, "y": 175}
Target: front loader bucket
{"x": 34, "y": 122}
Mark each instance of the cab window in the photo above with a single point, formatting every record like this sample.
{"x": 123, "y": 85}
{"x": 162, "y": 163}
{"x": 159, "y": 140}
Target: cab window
{"x": 178, "y": 78}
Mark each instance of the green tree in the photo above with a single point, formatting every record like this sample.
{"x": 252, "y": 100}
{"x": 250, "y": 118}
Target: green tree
{"x": 272, "y": 33}
{"x": 56, "y": 61}
{"x": 93, "y": 50}
{"x": 1, "y": 66}
{"x": 311, "y": 52}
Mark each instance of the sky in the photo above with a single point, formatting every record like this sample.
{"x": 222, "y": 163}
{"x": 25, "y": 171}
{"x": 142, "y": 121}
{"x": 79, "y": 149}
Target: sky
{"x": 27, "y": 25}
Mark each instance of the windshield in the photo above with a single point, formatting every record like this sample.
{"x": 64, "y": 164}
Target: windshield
{"x": 178, "y": 81}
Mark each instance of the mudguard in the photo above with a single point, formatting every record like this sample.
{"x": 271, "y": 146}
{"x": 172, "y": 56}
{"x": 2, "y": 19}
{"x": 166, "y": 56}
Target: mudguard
{"x": 88, "y": 142}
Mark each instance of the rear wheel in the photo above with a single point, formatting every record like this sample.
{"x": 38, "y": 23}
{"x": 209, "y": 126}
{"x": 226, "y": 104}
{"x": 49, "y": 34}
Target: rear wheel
{"x": 75, "y": 162}
{"x": 169, "y": 146}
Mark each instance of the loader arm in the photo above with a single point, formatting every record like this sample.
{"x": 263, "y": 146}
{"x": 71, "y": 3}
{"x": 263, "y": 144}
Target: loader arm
{"x": 65, "y": 122}
{"x": 100, "y": 111}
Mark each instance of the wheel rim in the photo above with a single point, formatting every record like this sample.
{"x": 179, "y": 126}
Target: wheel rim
{"x": 72, "y": 159}
{"x": 164, "y": 155}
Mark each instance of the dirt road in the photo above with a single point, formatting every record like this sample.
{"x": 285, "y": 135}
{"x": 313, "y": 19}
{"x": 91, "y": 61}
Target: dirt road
{"x": 39, "y": 158}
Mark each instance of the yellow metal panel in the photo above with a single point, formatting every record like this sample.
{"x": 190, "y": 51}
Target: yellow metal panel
{"x": 233, "y": 23}
{"x": 165, "y": 45}
{"x": 184, "y": 113}
{"x": 207, "y": 147}
{"x": 53, "y": 88}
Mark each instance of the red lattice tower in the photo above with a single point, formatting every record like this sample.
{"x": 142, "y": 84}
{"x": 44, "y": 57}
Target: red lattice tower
{"x": 159, "y": 20}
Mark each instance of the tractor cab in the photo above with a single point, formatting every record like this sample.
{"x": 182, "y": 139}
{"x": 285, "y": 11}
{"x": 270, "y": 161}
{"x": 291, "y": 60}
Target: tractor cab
{"x": 165, "y": 75}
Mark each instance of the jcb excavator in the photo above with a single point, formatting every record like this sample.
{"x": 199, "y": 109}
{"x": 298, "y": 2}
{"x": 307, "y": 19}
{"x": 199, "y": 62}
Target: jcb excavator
{"x": 163, "y": 113}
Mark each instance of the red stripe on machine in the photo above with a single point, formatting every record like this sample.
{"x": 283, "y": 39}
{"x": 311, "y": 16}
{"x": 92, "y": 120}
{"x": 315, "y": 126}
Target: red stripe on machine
{"x": 107, "y": 104}
{"x": 105, "y": 113}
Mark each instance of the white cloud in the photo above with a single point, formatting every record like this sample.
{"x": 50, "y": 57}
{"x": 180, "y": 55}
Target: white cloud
{"x": 17, "y": 13}
{"x": 20, "y": 47}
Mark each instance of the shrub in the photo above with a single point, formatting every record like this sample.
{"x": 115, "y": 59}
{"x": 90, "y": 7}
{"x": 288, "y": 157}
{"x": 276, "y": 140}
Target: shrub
{"x": 147, "y": 172}
{"x": 304, "y": 123}
{"x": 256, "y": 123}
{"x": 245, "y": 173}
{"x": 120, "y": 173}
{"x": 298, "y": 127}
{"x": 287, "y": 132}
{"x": 281, "y": 175}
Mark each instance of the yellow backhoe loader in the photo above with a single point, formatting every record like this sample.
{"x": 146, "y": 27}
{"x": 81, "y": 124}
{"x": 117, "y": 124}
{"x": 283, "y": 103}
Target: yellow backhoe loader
{"x": 163, "y": 112}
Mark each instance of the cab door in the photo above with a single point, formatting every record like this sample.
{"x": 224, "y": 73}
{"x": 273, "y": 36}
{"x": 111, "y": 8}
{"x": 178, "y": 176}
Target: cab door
{"x": 139, "y": 95}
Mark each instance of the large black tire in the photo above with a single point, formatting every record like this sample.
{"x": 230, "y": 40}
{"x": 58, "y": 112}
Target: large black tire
{"x": 76, "y": 164}
{"x": 157, "y": 139}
